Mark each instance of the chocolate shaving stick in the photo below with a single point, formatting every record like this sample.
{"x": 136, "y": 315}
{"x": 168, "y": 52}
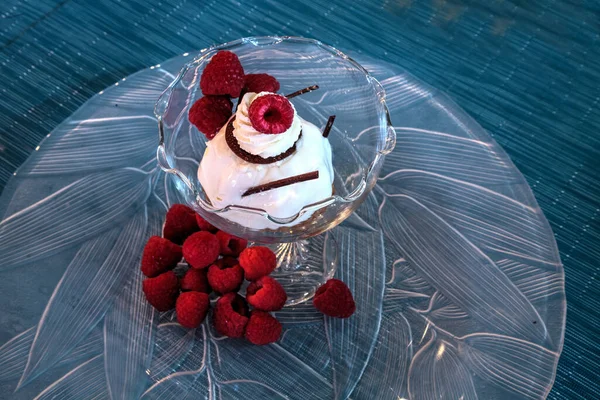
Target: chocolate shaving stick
{"x": 302, "y": 91}
{"x": 328, "y": 126}
{"x": 309, "y": 176}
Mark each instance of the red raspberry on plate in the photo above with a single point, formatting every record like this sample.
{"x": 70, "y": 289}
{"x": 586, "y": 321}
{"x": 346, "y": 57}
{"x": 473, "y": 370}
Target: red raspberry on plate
{"x": 334, "y": 299}
{"x": 209, "y": 114}
{"x": 224, "y": 74}
{"x": 257, "y": 261}
{"x": 260, "y": 83}
{"x": 179, "y": 223}
{"x": 195, "y": 280}
{"x": 225, "y": 278}
{"x": 271, "y": 113}
{"x": 201, "y": 249}
{"x": 262, "y": 328}
{"x": 160, "y": 255}
{"x": 204, "y": 225}
{"x": 266, "y": 294}
{"x": 191, "y": 309}
{"x": 162, "y": 291}
{"x": 231, "y": 315}
{"x": 231, "y": 245}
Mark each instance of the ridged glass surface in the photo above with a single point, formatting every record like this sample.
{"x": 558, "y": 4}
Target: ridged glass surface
{"x": 453, "y": 266}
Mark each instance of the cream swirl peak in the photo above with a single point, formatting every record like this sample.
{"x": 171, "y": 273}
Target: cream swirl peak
{"x": 262, "y": 144}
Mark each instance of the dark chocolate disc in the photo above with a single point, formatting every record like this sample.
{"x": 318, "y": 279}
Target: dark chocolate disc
{"x": 249, "y": 157}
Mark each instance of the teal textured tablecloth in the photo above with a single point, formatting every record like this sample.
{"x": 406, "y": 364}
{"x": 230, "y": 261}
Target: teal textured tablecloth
{"x": 528, "y": 71}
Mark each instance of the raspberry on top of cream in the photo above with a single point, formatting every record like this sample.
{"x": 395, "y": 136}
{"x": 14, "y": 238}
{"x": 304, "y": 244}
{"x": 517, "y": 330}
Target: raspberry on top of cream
{"x": 258, "y": 143}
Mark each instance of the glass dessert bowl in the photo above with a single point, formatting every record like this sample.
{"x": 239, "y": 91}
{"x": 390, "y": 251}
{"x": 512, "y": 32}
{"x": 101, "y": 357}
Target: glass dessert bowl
{"x": 281, "y": 200}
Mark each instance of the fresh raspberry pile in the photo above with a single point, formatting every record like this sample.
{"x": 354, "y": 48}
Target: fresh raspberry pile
{"x": 224, "y": 78}
{"x": 215, "y": 265}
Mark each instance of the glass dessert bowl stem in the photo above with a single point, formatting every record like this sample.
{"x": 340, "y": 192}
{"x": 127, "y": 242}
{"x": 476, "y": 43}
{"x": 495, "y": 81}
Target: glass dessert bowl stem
{"x": 304, "y": 265}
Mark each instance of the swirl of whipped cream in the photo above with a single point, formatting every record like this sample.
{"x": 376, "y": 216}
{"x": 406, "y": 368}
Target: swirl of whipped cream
{"x": 262, "y": 144}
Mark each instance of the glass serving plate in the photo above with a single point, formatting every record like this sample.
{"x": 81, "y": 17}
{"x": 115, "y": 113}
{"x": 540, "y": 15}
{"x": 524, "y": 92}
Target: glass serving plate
{"x": 453, "y": 266}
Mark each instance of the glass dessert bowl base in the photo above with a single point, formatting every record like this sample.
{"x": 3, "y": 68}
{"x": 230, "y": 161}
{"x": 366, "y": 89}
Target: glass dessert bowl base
{"x": 304, "y": 265}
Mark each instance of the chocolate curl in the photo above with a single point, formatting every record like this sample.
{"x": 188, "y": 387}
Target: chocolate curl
{"x": 302, "y": 91}
{"x": 309, "y": 176}
{"x": 328, "y": 126}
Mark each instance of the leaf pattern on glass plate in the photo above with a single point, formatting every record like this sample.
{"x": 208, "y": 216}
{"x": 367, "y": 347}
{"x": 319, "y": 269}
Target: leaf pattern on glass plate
{"x": 442, "y": 308}
{"x": 366, "y": 217}
{"x": 77, "y": 212}
{"x": 301, "y": 314}
{"x": 520, "y": 367}
{"x": 385, "y": 375}
{"x": 437, "y": 372}
{"x": 455, "y": 157}
{"x": 129, "y": 329}
{"x": 309, "y": 344}
{"x": 351, "y": 340}
{"x": 173, "y": 344}
{"x": 536, "y": 283}
{"x": 138, "y": 91}
{"x": 404, "y": 286}
{"x": 86, "y": 381}
{"x": 272, "y": 367}
{"x": 84, "y": 294}
{"x": 459, "y": 270}
{"x": 13, "y": 354}
{"x": 193, "y": 368}
{"x": 491, "y": 221}
{"x": 94, "y": 144}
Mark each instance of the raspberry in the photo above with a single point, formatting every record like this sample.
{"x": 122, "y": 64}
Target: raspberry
{"x": 162, "y": 291}
{"x": 180, "y": 223}
{"x": 160, "y": 255}
{"x": 257, "y": 261}
{"x": 231, "y": 245}
{"x": 334, "y": 299}
{"x": 201, "y": 249}
{"x": 262, "y": 328}
{"x": 266, "y": 294}
{"x": 226, "y": 262}
{"x": 209, "y": 114}
{"x": 224, "y": 74}
{"x": 260, "y": 83}
{"x": 225, "y": 278}
{"x": 195, "y": 280}
{"x": 271, "y": 113}
{"x": 204, "y": 225}
{"x": 231, "y": 315}
{"x": 191, "y": 309}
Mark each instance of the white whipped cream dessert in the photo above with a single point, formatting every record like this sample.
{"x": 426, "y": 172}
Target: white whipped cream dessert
{"x": 225, "y": 177}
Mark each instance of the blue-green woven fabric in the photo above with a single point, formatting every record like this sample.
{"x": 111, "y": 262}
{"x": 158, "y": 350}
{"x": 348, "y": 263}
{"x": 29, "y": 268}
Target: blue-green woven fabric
{"x": 527, "y": 70}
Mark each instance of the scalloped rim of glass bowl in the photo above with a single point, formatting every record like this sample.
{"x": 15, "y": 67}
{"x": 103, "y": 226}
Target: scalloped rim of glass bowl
{"x": 258, "y": 41}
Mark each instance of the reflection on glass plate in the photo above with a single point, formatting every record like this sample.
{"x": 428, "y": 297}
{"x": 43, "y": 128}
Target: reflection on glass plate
{"x": 454, "y": 268}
